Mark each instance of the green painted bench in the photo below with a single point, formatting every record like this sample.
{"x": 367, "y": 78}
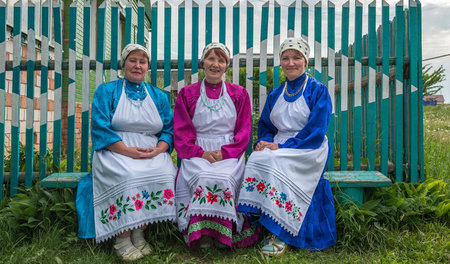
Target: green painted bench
{"x": 349, "y": 185}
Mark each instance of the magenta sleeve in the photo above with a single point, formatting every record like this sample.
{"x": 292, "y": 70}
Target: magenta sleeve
{"x": 183, "y": 128}
{"x": 242, "y": 130}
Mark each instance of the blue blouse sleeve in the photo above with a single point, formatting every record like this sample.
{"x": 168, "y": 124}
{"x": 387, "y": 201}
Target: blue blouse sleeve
{"x": 103, "y": 106}
{"x": 165, "y": 112}
{"x": 313, "y": 134}
{"x": 266, "y": 130}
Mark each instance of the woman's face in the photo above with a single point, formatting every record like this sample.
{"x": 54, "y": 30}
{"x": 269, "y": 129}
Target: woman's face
{"x": 214, "y": 66}
{"x": 136, "y": 66}
{"x": 293, "y": 64}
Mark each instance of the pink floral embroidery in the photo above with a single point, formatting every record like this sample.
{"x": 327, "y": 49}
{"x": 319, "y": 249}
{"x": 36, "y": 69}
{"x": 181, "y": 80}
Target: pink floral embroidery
{"x": 170, "y": 202}
{"x": 288, "y": 206}
{"x": 138, "y": 195}
{"x": 271, "y": 193}
{"x": 212, "y": 198}
{"x": 227, "y": 195}
{"x": 168, "y": 193}
{"x": 198, "y": 192}
{"x": 138, "y": 204}
{"x": 112, "y": 209}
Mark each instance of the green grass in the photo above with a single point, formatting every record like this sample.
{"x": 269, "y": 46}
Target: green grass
{"x": 405, "y": 223}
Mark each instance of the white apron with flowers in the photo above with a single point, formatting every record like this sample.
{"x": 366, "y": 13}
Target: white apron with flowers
{"x": 210, "y": 189}
{"x": 129, "y": 193}
{"x": 282, "y": 182}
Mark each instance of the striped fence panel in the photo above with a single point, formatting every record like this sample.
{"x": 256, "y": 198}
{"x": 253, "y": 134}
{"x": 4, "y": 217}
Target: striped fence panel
{"x": 376, "y": 121}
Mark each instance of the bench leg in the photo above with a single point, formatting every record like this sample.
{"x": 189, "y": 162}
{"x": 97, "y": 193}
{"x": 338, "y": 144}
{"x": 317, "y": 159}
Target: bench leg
{"x": 355, "y": 195}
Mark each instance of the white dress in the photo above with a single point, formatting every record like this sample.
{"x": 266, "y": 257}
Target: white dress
{"x": 210, "y": 189}
{"x": 129, "y": 193}
{"x": 282, "y": 182}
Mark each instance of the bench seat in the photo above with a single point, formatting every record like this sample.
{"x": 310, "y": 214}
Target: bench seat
{"x": 348, "y": 184}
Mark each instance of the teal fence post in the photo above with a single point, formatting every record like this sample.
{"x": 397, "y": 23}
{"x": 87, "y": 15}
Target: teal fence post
{"x": 331, "y": 82}
{"x": 140, "y": 24}
{"x": 100, "y": 50}
{"x": 318, "y": 41}
{"x": 357, "y": 88}
{"x": 195, "y": 35}
{"x": 400, "y": 36}
{"x": 30, "y": 97}
{"x": 15, "y": 103}
{"x": 276, "y": 46}
{"x": 2, "y": 92}
{"x": 371, "y": 113}
{"x": 263, "y": 58}
{"x": 385, "y": 90}
{"x": 249, "y": 62}
{"x": 114, "y": 41}
{"x": 222, "y": 23}
{"x": 181, "y": 29}
{"x": 167, "y": 48}
{"x": 154, "y": 45}
{"x": 413, "y": 111}
{"x": 305, "y": 19}
{"x": 86, "y": 77}
{"x": 208, "y": 24}
{"x": 72, "y": 88}
{"x": 44, "y": 89}
{"x": 236, "y": 26}
{"x": 291, "y": 20}
{"x": 419, "y": 74}
{"x": 57, "y": 101}
{"x": 128, "y": 23}
{"x": 344, "y": 85}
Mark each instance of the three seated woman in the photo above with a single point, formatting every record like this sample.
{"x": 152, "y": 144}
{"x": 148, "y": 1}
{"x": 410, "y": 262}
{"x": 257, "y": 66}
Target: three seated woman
{"x": 215, "y": 195}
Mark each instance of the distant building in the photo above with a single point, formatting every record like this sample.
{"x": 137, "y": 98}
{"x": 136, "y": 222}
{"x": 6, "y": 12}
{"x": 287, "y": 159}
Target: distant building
{"x": 436, "y": 99}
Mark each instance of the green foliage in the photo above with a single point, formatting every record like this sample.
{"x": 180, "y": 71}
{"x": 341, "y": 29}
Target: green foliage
{"x": 431, "y": 81}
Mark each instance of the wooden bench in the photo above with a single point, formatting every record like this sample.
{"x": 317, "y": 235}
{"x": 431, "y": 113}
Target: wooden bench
{"x": 349, "y": 185}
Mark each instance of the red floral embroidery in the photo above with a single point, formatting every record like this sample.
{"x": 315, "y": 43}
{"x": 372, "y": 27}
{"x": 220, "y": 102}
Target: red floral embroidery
{"x": 138, "y": 204}
{"x": 260, "y": 186}
{"x": 112, "y": 209}
{"x": 212, "y": 198}
{"x": 168, "y": 193}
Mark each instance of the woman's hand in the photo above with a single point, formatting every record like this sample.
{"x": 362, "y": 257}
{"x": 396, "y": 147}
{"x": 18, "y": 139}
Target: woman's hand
{"x": 137, "y": 152}
{"x": 264, "y": 144}
{"x": 212, "y": 156}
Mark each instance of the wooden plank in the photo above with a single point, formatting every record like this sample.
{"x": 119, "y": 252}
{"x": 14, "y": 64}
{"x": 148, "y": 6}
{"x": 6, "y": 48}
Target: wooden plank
{"x": 208, "y": 24}
{"x": 181, "y": 41}
{"x": 291, "y": 20}
{"x": 86, "y": 75}
{"x": 371, "y": 112}
{"x": 128, "y": 23}
{"x": 140, "y": 24}
{"x": 62, "y": 180}
{"x": 100, "y": 50}
{"x": 44, "y": 89}
{"x": 2, "y": 91}
{"x": 167, "y": 48}
{"x": 195, "y": 37}
{"x": 276, "y": 46}
{"x": 154, "y": 45}
{"x": 420, "y": 92}
{"x": 15, "y": 107}
{"x": 305, "y": 19}
{"x": 357, "y": 119}
{"x": 331, "y": 82}
{"x": 359, "y": 179}
{"x": 385, "y": 90}
{"x": 344, "y": 86}
{"x": 236, "y": 28}
{"x": 318, "y": 41}
{"x": 413, "y": 54}
{"x": 72, "y": 88}
{"x": 263, "y": 57}
{"x": 57, "y": 123}
{"x": 249, "y": 61}
{"x": 222, "y": 23}
{"x": 31, "y": 55}
{"x": 114, "y": 38}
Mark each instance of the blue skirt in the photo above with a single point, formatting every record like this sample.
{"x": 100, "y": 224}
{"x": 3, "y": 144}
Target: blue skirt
{"x": 318, "y": 230}
{"x": 85, "y": 207}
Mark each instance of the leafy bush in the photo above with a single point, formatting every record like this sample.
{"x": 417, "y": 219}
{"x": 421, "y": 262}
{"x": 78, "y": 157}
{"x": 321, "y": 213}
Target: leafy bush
{"x": 400, "y": 206}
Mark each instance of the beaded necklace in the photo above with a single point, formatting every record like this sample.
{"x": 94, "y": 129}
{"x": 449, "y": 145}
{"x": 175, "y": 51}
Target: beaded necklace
{"x": 298, "y": 90}
{"x": 142, "y": 93}
{"x": 213, "y": 104}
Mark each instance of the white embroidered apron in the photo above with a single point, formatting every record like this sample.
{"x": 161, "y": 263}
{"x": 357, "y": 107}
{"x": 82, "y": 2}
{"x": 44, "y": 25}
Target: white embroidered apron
{"x": 210, "y": 189}
{"x": 129, "y": 193}
{"x": 282, "y": 182}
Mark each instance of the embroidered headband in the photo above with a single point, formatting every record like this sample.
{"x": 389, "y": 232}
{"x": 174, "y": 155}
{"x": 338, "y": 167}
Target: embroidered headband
{"x": 132, "y": 47}
{"x": 215, "y": 45}
{"x": 298, "y": 44}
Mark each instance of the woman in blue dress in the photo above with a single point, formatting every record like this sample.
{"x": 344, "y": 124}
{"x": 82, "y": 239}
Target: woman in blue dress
{"x": 132, "y": 179}
{"x": 283, "y": 181}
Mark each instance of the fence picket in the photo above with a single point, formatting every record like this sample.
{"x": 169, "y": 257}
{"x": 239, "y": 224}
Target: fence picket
{"x": 30, "y": 97}
{"x": 72, "y": 87}
{"x": 2, "y": 91}
{"x": 86, "y": 77}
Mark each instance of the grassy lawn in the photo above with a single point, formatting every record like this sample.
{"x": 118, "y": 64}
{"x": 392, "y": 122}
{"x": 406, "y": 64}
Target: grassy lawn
{"x": 405, "y": 223}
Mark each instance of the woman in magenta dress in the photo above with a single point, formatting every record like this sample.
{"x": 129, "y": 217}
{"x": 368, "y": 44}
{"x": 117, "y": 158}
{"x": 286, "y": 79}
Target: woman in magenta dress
{"x": 212, "y": 129}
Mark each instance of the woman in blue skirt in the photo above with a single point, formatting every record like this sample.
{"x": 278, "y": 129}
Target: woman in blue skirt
{"x": 283, "y": 181}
